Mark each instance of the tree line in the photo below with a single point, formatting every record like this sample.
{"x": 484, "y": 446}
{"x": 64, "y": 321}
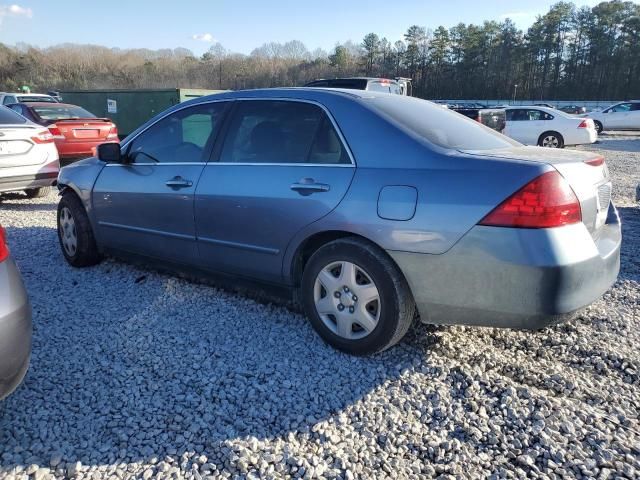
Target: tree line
{"x": 567, "y": 53}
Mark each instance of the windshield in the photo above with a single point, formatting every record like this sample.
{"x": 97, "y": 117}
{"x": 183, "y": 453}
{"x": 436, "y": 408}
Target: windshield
{"x": 31, "y": 98}
{"x": 438, "y": 125}
{"x": 61, "y": 112}
{"x": 9, "y": 117}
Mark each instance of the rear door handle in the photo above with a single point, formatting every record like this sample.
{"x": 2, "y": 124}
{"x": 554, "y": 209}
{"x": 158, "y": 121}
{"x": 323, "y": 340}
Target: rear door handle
{"x": 178, "y": 182}
{"x": 307, "y": 186}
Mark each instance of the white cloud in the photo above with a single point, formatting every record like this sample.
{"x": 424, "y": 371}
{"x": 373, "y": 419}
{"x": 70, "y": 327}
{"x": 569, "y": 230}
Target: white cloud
{"x": 14, "y": 11}
{"x": 204, "y": 37}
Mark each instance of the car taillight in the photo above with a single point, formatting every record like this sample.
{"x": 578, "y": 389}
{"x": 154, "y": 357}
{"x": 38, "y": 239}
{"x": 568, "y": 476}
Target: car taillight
{"x": 4, "y": 250}
{"x": 43, "y": 136}
{"x": 545, "y": 202}
{"x": 586, "y": 124}
{"x": 55, "y": 131}
{"x": 596, "y": 162}
{"x": 113, "y": 133}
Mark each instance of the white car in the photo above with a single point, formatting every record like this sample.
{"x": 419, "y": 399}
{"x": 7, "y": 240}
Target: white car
{"x": 28, "y": 156}
{"x": 9, "y": 98}
{"x": 621, "y": 116}
{"x": 548, "y": 127}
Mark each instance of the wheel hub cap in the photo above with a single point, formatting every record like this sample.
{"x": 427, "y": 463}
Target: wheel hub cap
{"x": 347, "y": 300}
{"x": 68, "y": 234}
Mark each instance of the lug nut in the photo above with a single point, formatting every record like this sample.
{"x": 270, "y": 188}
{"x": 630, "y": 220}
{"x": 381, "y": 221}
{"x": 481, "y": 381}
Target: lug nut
{"x": 346, "y": 289}
{"x": 337, "y": 294}
{"x": 351, "y": 309}
{"x": 354, "y": 298}
{"x": 340, "y": 307}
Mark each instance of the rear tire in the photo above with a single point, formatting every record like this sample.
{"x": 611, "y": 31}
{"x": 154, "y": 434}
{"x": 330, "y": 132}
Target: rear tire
{"x": 333, "y": 278}
{"x": 75, "y": 233}
{"x": 599, "y": 126}
{"x": 551, "y": 140}
{"x": 38, "y": 192}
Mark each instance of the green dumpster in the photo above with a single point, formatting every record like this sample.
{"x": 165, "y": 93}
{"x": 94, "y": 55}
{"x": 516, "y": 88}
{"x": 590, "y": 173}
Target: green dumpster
{"x": 129, "y": 109}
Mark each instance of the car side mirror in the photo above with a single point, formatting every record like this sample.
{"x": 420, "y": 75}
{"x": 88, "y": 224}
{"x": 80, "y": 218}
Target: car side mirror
{"x": 110, "y": 152}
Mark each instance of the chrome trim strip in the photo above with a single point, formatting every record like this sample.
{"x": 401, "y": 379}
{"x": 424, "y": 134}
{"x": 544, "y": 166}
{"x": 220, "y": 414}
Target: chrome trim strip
{"x": 241, "y": 246}
{"x": 278, "y": 99}
{"x": 147, "y": 230}
{"x": 154, "y": 164}
{"x": 257, "y": 164}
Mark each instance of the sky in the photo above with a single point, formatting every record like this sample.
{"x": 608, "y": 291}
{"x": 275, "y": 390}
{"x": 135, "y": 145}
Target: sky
{"x": 241, "y": 26}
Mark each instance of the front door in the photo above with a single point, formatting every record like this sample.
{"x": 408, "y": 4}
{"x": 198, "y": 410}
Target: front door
{"x": 617, "y": 116}
{"x": 282, "y": 166}
{"x": 145, "y": 205}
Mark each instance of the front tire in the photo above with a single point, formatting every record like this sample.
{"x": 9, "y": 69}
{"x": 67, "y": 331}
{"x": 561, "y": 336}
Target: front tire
{"x": 356, "y": 297}
{"x": 75, "y": 234}
{"x": 551, "y": 140}
{"x": 37, "y": 192}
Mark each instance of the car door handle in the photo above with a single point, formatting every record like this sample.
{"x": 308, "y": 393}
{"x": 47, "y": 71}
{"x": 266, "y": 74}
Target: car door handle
{"x": 307, "y": 186}
{"x": 178, "y": 182}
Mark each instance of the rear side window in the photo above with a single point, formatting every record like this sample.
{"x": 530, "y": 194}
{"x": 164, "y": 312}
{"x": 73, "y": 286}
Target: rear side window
{"x": 438, "y": 125}
{"x": 264, "y": 131}
{"x": 635, "y": 107}
{"x": 9, "y": 117}
{"x": 9, "y": 99}
{"x": 386, "y": 87}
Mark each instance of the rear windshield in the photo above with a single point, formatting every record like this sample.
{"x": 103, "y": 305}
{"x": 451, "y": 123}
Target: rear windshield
{"x": 29, "y": 98}
{"x": 61, "y": 112}
{"x": 9, "y": 117}
{"x": 438, "y": 125}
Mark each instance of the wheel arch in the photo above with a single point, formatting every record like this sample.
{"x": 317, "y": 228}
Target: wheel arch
{"x": 307, "y": 247}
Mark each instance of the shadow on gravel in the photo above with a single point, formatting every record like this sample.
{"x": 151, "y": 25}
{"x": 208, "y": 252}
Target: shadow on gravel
{"x": 629, "y": 257}
{"x": 630, "y": 145}
{"x": 14, "y": 202}
{"x": 128, "y": 365}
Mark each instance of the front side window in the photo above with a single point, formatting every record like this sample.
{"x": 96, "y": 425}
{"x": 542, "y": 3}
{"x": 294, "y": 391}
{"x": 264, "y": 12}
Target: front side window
{"x": 379, "y": 87}
{"x": 264, "y": 131}
{"x": 9, "y": 99}
{"x": 623, "y": 107}
{"x": 182, "y": 137}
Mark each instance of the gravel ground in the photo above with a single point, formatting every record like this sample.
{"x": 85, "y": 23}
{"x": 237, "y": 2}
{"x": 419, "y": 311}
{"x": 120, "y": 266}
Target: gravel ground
{"x": 138, "y": 374}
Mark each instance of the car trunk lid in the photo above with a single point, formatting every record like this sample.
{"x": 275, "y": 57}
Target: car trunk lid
{"x": 16, "y": 146}
{"x": 586, "y": 172}
{"x": 82, "y": 130}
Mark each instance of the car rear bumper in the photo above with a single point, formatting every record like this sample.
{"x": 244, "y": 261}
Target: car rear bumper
{"x": 15, "y": 328}
{"x": 77, "y": 150}
{"x": 516, "y": 278}
{"x": 25, "y": 182}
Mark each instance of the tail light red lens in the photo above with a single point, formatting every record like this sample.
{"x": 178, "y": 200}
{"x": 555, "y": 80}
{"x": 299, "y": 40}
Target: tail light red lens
{"x": 55, "y": 131}
{"x": 596, "y": 162}
{"x": 4, "y": 249}
{"x": 546, "y": 202}
{"x": 43, "y": 136}
{"x": 584, "y": 124}
{"x": 113, "y": 133}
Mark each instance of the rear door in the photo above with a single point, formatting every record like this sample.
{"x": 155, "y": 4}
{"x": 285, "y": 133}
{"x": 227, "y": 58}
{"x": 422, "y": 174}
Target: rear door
{"x": 282, "y": 165}
{"x": 516, "y": 125}
{"x": 145, "y": 206}
{"x": 18, "y": 141}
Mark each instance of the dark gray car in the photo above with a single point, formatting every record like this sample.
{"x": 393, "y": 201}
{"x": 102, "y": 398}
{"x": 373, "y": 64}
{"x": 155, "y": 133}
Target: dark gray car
{"x": 15, "y": 323}
{"x": 366, "y": 205}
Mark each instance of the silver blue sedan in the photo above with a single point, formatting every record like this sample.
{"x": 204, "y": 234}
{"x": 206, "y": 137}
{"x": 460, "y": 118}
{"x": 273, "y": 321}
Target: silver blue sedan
{"x": 366, "y": 207}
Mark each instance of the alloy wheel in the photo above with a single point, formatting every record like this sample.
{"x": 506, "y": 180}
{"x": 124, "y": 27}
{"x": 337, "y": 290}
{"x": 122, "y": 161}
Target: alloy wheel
{"x": 347, "y": 300}
{"x": 68, "y": 233}
{"x": 550, "y": 141}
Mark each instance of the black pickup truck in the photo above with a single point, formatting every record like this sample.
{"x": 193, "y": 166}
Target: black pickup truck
{"x": 491, "y": 117}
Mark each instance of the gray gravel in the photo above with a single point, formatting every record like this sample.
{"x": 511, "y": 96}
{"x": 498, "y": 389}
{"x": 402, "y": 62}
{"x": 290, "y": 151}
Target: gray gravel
{"x": 138, "y": 374}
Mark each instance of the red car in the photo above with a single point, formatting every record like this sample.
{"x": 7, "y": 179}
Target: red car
{"x": 76, "y": 131}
